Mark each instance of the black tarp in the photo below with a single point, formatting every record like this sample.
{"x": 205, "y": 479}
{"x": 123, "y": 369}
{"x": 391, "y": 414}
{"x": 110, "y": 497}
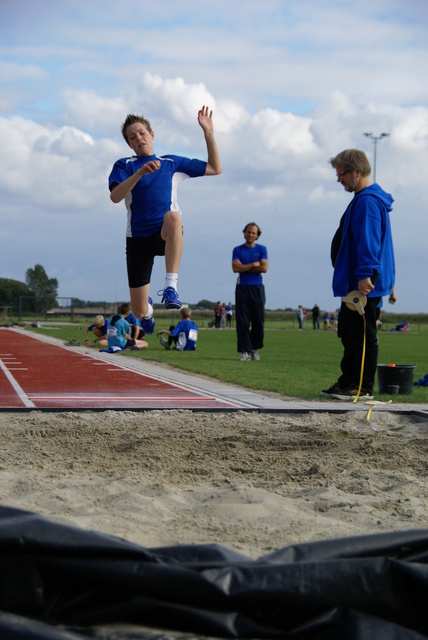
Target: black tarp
{"x": 59, "y": 582}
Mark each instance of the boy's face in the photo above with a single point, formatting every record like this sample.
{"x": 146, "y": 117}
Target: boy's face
{"x": 140, "y": 139}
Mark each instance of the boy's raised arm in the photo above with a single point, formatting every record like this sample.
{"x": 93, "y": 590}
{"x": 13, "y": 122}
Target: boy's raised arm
{"x": 205, "y": 120}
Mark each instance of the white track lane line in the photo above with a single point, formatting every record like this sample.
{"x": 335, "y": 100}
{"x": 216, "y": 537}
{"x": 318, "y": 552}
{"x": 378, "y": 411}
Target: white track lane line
{"x": 18, "y": 389}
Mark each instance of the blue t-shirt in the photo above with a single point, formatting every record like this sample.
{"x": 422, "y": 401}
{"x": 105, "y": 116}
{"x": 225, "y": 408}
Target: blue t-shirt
{"x": 246, "y": 255}
{"x": 116, "y": 332}
{"x": 103, "y": 328}
{"x": 187, "y": 332}
{"x": 155, "y": 193}
{"x": 136, "y": 322}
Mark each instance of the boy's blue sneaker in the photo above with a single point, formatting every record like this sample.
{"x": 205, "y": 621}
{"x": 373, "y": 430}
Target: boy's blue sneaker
{"x": 170, "y": 297}
{"x": 148, "y": 324}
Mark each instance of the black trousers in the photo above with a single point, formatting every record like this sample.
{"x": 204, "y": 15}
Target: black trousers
{"x": 250, "y": 302}
{"x": 351, "y": 331}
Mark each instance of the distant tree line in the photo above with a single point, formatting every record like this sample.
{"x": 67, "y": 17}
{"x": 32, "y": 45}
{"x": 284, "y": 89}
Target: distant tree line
{"x": 38, "y": 293}
{"x": 77, "y": 303}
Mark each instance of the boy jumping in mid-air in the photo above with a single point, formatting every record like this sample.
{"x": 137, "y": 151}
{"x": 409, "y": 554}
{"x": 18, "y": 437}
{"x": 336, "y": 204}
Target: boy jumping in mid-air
{"x": 148, "y": 183}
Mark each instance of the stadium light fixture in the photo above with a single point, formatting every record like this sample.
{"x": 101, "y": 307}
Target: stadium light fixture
{"x": 375, "y": 139}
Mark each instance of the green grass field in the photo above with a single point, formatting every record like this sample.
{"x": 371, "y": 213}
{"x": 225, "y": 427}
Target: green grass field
{"x": 293, "y": 363}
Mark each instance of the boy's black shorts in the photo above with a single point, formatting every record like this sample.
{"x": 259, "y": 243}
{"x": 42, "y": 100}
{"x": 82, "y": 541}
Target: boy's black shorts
{"x": 140, "y": 256}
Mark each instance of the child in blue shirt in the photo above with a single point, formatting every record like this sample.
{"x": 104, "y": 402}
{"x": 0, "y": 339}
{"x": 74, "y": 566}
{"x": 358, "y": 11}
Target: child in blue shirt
{"x": 99, "y": 329}
{"x": 184, "y": 335}
{"x": 118, "y": 332}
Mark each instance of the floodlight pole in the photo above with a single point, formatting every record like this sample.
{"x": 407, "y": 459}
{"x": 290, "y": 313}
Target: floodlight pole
{"x": 375, "y": 140}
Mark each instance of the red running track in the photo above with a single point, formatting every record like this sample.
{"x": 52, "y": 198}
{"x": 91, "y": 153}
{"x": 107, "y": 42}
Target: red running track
{"x": 35, "y": 374}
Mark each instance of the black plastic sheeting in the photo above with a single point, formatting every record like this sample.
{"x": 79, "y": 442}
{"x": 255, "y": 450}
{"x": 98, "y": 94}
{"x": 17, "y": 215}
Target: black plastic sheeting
{"x": 59, "y": 582}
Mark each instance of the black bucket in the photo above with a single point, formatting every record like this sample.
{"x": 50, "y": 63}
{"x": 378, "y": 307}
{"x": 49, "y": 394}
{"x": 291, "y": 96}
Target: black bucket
{"x": 397, "y": 375}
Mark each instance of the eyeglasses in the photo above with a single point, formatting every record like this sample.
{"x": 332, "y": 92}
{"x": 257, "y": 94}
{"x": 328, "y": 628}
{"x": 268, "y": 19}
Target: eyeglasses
{"x": 340, "y": 175}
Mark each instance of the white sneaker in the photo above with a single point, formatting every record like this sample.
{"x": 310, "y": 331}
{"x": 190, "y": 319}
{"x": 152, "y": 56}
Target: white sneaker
{"x": 245, "y": 356}
{"x": 256, "y": 355}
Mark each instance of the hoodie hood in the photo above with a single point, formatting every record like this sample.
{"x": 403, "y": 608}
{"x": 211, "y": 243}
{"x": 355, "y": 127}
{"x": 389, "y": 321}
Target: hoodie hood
{"x": 374, "y": 190}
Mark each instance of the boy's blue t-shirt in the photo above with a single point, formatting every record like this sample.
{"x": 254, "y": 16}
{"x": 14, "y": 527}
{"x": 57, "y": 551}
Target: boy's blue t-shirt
{"x": 103, "y": 329}
{"x": 155, "y": 193}
{"x": 136, "y": 322}
{"x": 187, "y": 332}
{"x": 116, "y": 332}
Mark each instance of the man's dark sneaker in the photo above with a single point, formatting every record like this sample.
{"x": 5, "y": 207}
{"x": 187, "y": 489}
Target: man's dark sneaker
{"x": 148, "y": 324}
{"x": 351, "y": 393}
{"x": 331, "y": 390}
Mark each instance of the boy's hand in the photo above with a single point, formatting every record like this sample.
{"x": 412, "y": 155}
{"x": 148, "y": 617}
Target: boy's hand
{"x": 205, "y": 119}
{"x": 150, "y": 167}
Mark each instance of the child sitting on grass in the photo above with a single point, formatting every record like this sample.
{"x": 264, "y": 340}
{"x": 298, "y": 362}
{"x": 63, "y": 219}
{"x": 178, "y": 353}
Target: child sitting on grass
{"x": 184, "y": 335}
{"x": 118, "y": 332}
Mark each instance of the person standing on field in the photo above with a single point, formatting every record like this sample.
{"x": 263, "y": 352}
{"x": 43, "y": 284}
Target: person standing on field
{"x": 229, "y": 313}
{"x": 362, "y": 255}
{"x": 250, "y": 262}
{"x": 316, "y": 317}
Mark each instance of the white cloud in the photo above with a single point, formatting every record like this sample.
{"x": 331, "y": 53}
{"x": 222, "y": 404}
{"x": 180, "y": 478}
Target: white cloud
{"x": 266, "y": 195}
{"x": 410, "y": 132}
{"x": 14, "y": 72}
{"x": 92, "y": 111}
{"x": 282, "y": 133}
{"x": 53, "y": 167}
{"x": 176, "y": 96}
{"x": 290, "y": 86}
{"x": 320, "y": 195}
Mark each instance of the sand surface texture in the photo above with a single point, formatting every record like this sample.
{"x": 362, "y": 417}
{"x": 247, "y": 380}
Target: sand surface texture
{"x": 251, "y": 482}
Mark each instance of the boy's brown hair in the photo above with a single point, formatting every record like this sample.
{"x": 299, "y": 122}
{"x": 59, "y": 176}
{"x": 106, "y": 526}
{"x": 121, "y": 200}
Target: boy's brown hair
{"x": 124, "y": 308}
{"x": 132, "y": 119}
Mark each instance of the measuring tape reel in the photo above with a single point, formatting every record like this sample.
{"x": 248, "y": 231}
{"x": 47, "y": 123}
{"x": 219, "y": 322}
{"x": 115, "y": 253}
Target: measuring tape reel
{"x": 356, "y": 301}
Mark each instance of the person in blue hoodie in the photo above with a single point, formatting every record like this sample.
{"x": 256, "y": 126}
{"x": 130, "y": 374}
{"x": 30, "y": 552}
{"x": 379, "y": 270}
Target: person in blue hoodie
{"x": 362, "y": 255}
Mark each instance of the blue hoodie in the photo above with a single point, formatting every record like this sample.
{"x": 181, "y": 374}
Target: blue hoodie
{"x": 366, "y": 245}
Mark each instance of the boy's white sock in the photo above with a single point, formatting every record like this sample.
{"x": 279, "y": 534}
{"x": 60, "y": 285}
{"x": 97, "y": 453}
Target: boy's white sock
{"x": 149, "y": 312}
{"x": 171, "y": 280}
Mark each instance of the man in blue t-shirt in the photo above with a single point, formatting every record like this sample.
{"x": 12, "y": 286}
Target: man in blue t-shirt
{"x": 148, "y": 184}
{"x": 184, "y": 335}
{"x": 250, "y": 261}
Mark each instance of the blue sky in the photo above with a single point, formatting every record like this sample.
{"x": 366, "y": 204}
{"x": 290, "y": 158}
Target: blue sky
{"x": 291, "y": 84}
